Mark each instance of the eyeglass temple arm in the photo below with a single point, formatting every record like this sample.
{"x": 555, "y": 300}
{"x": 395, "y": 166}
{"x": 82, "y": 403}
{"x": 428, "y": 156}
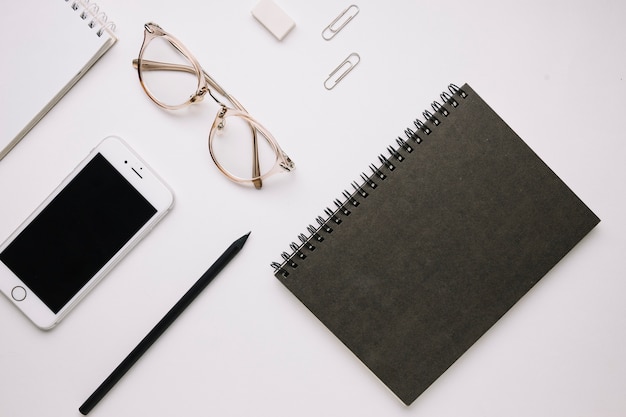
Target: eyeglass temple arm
{"x": 148, "y": 65}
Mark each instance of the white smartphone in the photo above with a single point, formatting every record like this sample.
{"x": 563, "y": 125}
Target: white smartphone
{"x": 90, "y": 221}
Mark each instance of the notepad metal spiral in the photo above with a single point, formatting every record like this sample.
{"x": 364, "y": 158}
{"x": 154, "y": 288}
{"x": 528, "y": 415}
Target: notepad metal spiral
{"x": 91, "y": 12}
{"x": 325, "y": 226}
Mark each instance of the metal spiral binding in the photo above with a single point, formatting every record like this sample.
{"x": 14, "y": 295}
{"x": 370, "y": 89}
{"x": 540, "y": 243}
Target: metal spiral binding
{"x": 96, "y": 17}
{"x": 451, "y": 99}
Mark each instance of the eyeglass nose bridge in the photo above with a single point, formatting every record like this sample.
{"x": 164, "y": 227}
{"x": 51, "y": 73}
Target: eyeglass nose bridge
{"x": 200, "y": 94}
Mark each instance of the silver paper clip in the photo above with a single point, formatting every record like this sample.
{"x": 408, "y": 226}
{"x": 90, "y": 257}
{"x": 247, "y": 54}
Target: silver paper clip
{"x": 342, "y": 70}
{"x": 340, "y": 22}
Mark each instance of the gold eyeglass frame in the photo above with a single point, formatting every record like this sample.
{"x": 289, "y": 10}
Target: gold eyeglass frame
{"x": 282, "y": 163}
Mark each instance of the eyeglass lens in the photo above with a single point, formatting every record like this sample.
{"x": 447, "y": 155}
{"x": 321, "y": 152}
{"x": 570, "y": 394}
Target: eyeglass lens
{"x": 233, "y": 148}
{"x": 170, "y": 85}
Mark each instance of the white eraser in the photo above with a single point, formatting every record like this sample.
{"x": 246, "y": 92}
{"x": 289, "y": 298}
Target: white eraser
{"x": 273, "y": 18}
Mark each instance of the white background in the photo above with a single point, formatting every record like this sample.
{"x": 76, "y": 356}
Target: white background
{"x": 553, "y": 70}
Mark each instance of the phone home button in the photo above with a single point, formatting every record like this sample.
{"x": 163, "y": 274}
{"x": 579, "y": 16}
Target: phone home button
{"x": 18, "y": 293}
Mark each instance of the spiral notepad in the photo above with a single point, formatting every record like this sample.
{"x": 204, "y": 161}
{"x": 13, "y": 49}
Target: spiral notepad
{"x": 48, "y": 46}
{"x": 446, "y": 234}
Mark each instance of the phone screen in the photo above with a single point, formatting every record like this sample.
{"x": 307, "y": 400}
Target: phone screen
{"x": 79, "y": 231}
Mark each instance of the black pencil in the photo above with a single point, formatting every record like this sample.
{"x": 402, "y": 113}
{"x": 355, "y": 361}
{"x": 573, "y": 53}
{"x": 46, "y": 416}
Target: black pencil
{"x": 162, "y": 325}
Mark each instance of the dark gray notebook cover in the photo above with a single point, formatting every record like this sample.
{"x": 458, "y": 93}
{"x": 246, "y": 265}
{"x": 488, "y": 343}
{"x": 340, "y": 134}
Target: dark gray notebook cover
{"x": 448, "y": 242}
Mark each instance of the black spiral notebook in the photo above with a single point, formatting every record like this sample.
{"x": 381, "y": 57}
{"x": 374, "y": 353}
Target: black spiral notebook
{"x": 445, "y": 235}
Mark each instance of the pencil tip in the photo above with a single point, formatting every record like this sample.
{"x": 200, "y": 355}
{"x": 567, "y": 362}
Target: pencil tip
{"x": 243, "y": 239}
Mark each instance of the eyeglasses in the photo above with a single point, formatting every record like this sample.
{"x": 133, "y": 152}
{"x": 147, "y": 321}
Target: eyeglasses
{"x": 172, "y": 77}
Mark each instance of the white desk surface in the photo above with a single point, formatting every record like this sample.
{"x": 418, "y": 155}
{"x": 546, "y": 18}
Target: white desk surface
{"x": 555, "y": 71}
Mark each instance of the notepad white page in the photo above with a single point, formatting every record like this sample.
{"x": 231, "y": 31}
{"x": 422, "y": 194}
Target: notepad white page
{"x": 45, "y": 49}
